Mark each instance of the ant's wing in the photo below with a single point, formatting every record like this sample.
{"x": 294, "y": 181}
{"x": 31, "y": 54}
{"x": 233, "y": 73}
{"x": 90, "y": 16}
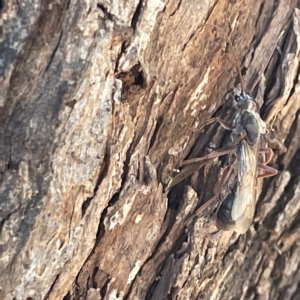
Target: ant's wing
{"x": 244, "y": 204}
{"x": 244, "y": 222}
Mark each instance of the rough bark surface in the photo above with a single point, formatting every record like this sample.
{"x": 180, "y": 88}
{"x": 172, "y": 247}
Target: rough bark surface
{"x": 100, "y": 102}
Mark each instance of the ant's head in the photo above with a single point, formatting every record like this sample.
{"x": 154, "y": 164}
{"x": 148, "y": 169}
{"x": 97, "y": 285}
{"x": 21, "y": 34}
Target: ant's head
{"x": 244, "y": 101}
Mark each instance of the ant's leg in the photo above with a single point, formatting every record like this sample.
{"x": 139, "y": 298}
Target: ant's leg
{"x": 225, "y": 150}
{"x": 210, "y": 201}
{"x": 269, "y": 153}
{"x": 211, "y": 155}
{"x": 194, "y": 164}
{"x": 187, "y": 171}
{"x": 219, "y": 120}
{"x": 269, "y": 171}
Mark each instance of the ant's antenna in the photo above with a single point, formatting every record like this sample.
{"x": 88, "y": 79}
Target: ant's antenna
{"x": 234, "y": 53}
{"x": 265, "y": 66}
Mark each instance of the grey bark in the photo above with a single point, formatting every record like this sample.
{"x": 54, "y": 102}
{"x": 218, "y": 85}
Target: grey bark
{"x": 100, "y": 102}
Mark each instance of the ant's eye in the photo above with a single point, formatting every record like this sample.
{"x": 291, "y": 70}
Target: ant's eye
{"x": 237, "y": 98}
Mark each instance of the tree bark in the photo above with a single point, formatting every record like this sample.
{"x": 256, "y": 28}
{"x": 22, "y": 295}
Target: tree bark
{"x": 100, "y": 102}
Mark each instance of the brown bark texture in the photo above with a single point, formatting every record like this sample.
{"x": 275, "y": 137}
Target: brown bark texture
{"x": 100, "y": 102}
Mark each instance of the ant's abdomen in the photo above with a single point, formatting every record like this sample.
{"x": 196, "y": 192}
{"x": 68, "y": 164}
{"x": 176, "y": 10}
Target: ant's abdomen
{"x": 224, "y": 220}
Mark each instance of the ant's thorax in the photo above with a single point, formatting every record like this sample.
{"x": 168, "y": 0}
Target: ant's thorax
{"x": 247, "y": 118}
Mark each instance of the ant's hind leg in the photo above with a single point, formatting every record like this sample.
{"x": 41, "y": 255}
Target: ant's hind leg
{"x": 214, "y": 198}
{"x": 269, "y": 171}
{"x": 269, "y": 154}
